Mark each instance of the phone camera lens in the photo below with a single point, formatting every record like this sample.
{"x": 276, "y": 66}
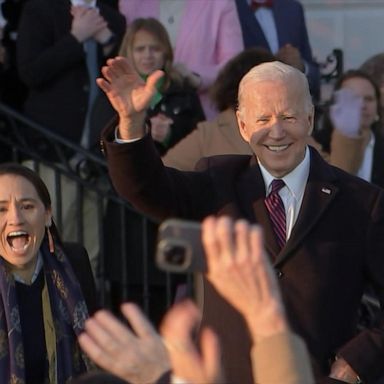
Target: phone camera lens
{"x": 175, "y": 255}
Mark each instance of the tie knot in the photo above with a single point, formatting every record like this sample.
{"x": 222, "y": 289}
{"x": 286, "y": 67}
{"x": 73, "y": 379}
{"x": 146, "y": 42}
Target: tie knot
{"x": 256, "y": 4}
{"x": 277, "y": 184}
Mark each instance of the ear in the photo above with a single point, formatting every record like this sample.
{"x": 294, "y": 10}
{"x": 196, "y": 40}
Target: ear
{"x": 241, "y": 124}
{"x": 311, "y": 121}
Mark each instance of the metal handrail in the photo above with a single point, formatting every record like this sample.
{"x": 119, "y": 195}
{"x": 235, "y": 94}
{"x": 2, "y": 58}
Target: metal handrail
{"x": 92, "y": 179}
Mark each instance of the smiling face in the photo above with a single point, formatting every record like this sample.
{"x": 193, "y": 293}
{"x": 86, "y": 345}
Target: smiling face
{"x": 276, "y": 118}
{"x": 147, "y": 52}
{"x": 23, "y": 218}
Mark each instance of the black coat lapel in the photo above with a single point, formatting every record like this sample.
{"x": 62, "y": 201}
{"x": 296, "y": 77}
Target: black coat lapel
{"x": 318, "y": 196}
{"x": 251, "y": 195}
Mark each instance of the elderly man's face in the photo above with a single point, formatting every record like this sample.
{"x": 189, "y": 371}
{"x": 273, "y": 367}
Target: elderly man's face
{"x": 274, "y": 120}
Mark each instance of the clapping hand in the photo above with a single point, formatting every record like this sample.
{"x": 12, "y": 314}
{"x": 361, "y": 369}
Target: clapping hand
{"x": 86, "y": 22}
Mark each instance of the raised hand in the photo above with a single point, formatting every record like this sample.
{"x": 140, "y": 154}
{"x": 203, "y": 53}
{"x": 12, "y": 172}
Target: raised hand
{"x": 190, "y": 363}
{"x": 129, "y": 94}
{"x": 137, "y": 356}
{"x": 240, "y": 271}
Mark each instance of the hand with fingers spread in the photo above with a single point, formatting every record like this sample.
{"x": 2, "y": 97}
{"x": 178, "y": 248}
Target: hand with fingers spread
{"x": 138, "y": 356}
{"x": 129, "y": 95}
{"x": 239, "y": 270}
{"x": 188, "y": 362}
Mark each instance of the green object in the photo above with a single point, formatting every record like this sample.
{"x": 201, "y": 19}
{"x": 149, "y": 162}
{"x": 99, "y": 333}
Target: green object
{"x": 159, "y": 86}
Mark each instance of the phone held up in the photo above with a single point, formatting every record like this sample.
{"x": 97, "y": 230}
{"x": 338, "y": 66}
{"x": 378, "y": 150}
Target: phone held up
{"x": 179, "y": 247}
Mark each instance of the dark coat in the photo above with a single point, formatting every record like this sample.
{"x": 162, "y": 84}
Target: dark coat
{"x": 291, "y": 29}
{"x": 79, "y": 260}
{"x": 180, "y": 102}
{"x": 52, "y": 64}
{"x": 336, "y": 247}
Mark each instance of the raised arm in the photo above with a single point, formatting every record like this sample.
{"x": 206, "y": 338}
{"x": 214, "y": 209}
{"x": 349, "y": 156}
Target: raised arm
{"x": 239, "y": 270}
{"x": 128, "y": 94}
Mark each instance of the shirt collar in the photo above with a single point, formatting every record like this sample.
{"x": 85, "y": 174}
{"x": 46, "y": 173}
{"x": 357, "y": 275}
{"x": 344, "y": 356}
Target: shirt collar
{"x": 38, "y": 268}
{"x": 295, "y": 181}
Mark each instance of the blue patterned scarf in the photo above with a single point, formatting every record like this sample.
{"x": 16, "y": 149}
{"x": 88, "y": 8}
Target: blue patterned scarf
{"x": 67, "y": 312}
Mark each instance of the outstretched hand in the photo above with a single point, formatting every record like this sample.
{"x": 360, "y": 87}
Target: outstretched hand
{"x": 129, "y": 94}
{"x": 190, "y": 363}
{"x": 240, "y": 271}
{"x": 137, "y": 355}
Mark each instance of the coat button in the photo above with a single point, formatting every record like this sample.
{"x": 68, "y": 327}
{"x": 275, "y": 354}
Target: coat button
{"x": 279, "y": 274}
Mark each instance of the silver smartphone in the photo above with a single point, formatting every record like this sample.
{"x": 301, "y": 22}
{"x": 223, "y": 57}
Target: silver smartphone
{"x": 179, "y": 247}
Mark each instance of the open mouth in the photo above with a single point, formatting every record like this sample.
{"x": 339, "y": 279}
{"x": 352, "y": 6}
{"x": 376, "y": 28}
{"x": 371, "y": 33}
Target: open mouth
{"x": 18, "y": 240}
{"x": 277, "y": 148}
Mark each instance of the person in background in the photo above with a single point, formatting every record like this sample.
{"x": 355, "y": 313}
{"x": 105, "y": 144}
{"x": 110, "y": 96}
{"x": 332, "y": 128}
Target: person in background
{"x": 47, "y": 289}
{"x": 352, "y": 127}
{"x": 60, "y": 48}
{"x": 13, "y": 91}
{"x": 175, "y": 109}
{"x": 279, "y": 26}
{"x": 220, "y": 135}
{"x": 239, "y": 269}
{"x": 204, "y": 36}
{"x": 173, "y": 113}
{"x": 374, "y": 67}
{"x": 317, "y": 219}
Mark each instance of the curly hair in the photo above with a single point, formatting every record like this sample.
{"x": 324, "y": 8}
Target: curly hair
{"x": 225, "y": 88}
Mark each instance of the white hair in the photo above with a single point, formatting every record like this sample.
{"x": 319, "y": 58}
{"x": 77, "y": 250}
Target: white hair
{"x": 276, "y": 71}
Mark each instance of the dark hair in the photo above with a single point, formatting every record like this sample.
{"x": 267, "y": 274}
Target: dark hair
{"x": 374, "y": 67}
{"x": 225, "y": 88}
{"x": 37, "y": 182}
{"x": 32, "y": 177}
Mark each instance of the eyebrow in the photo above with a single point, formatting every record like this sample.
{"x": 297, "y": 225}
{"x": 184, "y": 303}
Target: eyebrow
{"x": 23, "y": 200}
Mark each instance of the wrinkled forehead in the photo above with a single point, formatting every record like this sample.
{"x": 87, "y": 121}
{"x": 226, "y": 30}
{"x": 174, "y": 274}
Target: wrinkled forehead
{"x": 265, "y": 95}
{"x": 17, "y": 186}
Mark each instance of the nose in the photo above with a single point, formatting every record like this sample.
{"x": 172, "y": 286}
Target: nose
{"x": 276, "y": 131}
{"x": 148, "y": 52}
{"x": 14, "y": 215}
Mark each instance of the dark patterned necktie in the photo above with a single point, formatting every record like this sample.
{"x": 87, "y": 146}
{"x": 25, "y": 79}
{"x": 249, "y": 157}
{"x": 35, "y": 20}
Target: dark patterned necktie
{"x": 276, "y": 211}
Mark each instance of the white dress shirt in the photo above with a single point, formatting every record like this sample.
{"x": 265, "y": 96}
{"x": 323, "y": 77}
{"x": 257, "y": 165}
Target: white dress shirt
{"x": 293, "y": 191}
{"x": 264, "y": 16}
{"x": 171, "y": 12}
{"x": 365, "y": 170}
{"x": 38, "y": 267}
